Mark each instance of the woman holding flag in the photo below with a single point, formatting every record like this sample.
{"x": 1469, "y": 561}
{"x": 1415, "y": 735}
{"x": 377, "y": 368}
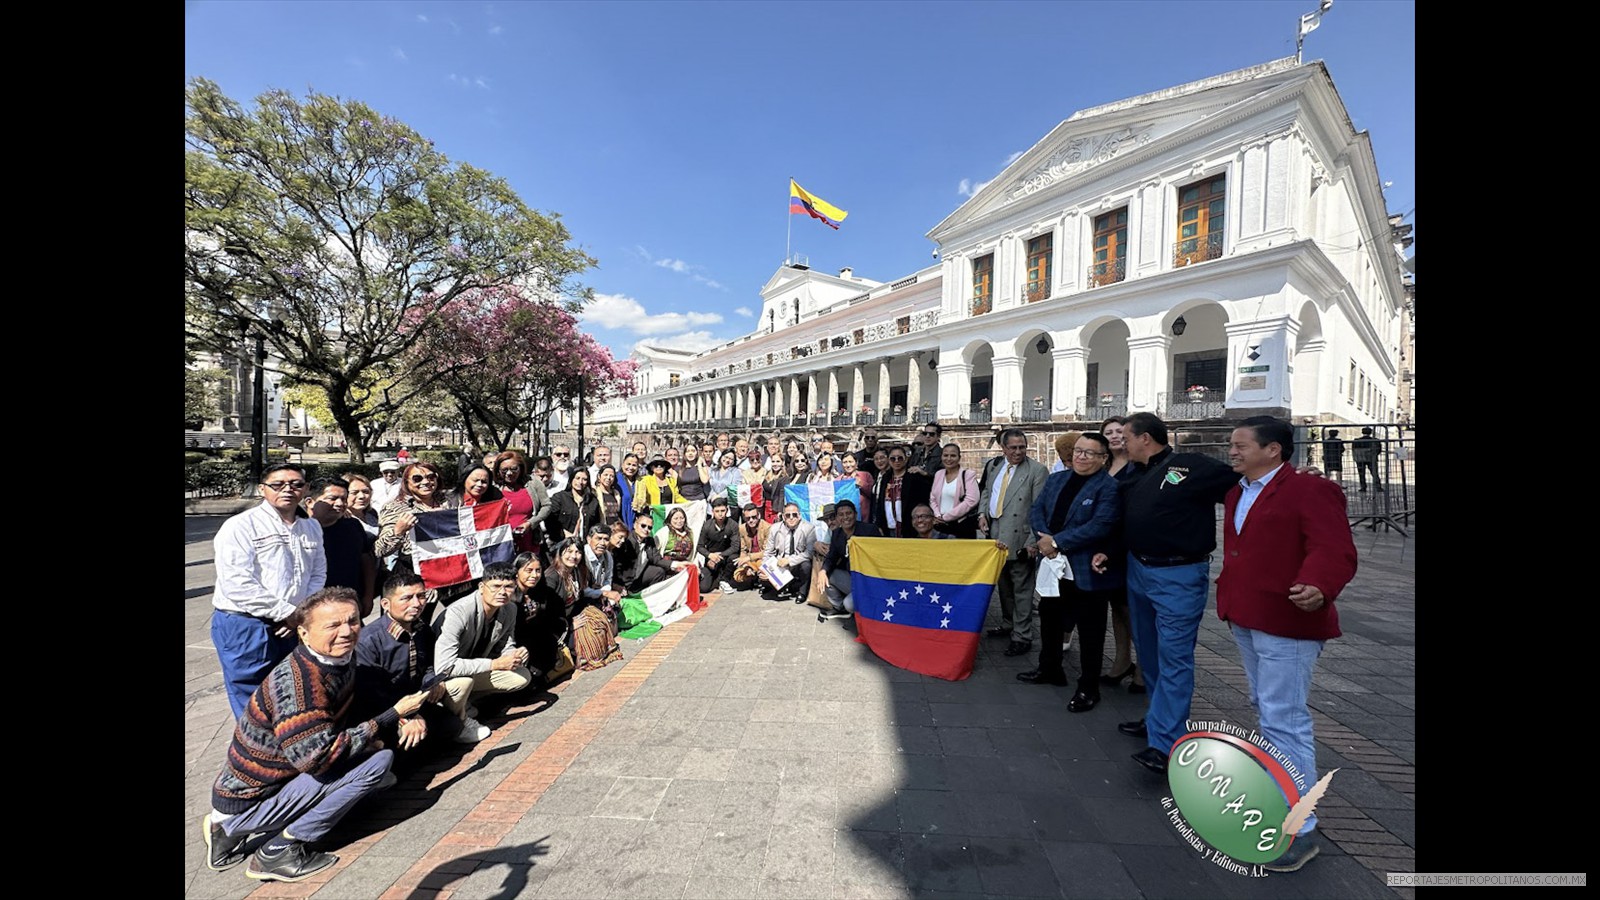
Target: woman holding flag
{"x": 727, "y": 473}
{"x": 421, "y": 490}
{"x": 677, "y": 542}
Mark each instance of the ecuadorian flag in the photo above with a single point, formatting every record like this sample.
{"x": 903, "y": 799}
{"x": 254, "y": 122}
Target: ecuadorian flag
{"x": 815, "y": 207}
{"x": 920, "y": 604}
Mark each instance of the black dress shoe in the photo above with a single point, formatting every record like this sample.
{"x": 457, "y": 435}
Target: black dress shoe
{"x": 297, "y": 863}
{"x": 1018, "y": 648}
{"x": 1136, "y": 728}
{"x": 998, "y": 632}
{"x": 1033, "y": 677}
{"x": 1152, "y": 759}
{"x": 1137, "y": 689}
{"x": 1082, "y": 702}
{"x": 222, "y": 851}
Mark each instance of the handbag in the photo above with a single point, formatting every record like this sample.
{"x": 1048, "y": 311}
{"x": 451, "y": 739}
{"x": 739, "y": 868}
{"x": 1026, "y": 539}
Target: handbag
{"x": 563, "y": 665}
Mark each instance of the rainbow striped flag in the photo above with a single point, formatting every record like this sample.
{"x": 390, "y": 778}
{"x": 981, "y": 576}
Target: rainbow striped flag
{"x": 920, "y": 604}
{"x": 814, "y": 206}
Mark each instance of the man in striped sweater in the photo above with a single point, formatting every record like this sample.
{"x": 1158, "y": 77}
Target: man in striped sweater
{"x": 296, "y": 765}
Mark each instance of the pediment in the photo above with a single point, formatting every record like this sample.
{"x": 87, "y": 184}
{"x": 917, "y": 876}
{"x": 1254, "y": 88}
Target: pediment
{"x": 1094, "y": 137}
{"x": 784, "y": 275}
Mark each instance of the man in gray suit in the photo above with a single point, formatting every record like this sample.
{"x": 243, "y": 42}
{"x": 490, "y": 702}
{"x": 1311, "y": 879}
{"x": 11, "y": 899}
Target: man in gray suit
{"x": 1004, "y": 506}
{"x": 477, "y": 651}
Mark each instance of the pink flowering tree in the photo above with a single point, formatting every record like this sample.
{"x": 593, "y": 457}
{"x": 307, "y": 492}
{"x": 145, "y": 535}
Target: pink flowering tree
{"x": 507, "y": 360}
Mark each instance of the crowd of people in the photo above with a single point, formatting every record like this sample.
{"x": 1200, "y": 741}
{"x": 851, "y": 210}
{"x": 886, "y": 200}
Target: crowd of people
{"x": 331, "y": 702}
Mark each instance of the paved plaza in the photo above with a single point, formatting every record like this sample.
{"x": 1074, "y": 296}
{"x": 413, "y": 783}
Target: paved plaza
{"x": 751, "y": 751}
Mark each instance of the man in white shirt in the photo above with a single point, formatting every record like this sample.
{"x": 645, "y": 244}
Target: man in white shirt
{"x": 602, "y": 458}
{"x": 388, "y": 487}
{"x": 562, "y": 457}
{"x": 269, "y": 559}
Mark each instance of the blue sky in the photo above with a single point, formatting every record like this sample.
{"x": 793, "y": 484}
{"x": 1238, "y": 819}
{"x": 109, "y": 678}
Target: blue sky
{"x": 665, "y": 133}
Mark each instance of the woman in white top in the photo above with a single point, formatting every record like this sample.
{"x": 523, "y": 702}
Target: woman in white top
{"x": 954, "y": 499}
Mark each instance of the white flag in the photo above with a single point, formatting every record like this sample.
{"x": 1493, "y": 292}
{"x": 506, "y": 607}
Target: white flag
{"x": 1310, "y": 21}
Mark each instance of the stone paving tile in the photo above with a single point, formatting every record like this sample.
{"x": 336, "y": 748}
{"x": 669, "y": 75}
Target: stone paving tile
{"x": 720, "y": 887}
{"x": 1013, "y": 868}
{"x": 941, "y": 862}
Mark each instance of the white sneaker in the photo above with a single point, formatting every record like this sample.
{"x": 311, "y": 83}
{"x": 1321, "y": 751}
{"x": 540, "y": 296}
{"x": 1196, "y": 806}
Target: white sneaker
{"x": 725, "y": 587}
{"x": 472, "y": 732}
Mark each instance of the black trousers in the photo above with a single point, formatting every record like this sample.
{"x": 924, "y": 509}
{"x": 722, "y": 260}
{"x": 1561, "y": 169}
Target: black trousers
{"x": 711, "y": 575}
{"x": 1084, "y": 610}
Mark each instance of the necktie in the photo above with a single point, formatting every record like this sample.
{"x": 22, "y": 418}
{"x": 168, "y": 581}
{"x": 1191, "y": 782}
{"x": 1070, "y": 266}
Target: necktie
{"x": 791, "y": 543}
{"x": 1000, "y": 502}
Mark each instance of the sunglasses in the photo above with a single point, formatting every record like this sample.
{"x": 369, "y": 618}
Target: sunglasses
{"x": 423, "y": 479}
{"x": 563, "y": 455}
{"x": 280, "y": 486}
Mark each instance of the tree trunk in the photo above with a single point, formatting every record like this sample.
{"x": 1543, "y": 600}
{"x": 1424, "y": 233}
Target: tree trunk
{"x": 349, "y": 425}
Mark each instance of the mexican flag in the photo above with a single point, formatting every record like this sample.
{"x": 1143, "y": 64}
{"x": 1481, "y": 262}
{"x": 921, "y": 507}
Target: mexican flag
{"x": 694, "y": 512}
{"x": 660, "y": 604}
{"x": 740, "y": 494}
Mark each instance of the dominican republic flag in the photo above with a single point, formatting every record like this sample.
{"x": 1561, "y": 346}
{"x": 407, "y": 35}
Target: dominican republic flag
{"x": 694, "y": 513}
{"x": 812, "y": 496}
{"x": 453, "y": 545}
{"x": 740, "y": 494}
{"x": 920, "y": 604}
{"x": 660, "y": 604}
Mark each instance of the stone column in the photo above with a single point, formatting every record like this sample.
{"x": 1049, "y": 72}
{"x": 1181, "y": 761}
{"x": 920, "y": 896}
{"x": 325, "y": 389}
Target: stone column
{"x": 885, "y": 389}
{"x": 794, "y": 397}
{"x": 813, "y": 397}
{"x": 914, "y": 385}
{"x": 1071, "y": 383}
{"x": 1007, "y": 393}
{"x": 833, "y": 391}
{"x": 1263, "y": 347}
{"x": 858, "y": 390}
{"x": 1149, "y": 371}
{"x": 954, "y": 376}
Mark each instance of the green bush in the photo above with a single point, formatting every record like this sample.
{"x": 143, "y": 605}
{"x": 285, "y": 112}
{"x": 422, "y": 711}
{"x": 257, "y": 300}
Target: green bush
{"x": 191, "y": 457}
{"x": 216, "y": 475}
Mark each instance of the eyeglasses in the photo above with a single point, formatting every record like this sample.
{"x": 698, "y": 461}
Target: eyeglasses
{"x": 1087, "y": 454}
{"x": 791, "y": 515}
{"x": 423, "y": 479}
{"x": 930, "y": 434}
{"x": 280, "y": 486}
{"x": 897, "y": 459}
{"x": 499, "y": 587}
{"x": 563, "y": 455}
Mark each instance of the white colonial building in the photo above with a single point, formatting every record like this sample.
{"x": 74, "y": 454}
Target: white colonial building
{"x": 1216, "y": 249}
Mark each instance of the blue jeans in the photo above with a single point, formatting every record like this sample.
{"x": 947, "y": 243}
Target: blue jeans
{"x": 248, "y": 651}
{"x": 1280, "y": 683}
{"x": 1165, "y": 606}
{"x": 313, "y": 804}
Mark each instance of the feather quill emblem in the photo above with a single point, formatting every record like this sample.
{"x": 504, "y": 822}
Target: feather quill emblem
{"x": 1304, "y": 808}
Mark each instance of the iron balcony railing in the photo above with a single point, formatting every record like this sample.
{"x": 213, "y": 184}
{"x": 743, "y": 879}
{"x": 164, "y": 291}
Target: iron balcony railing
{"x": 1195, "y": 404}
{"x": 923, "y": 414}
{"x": 977, "y": 413}
{"x": 840, "y": 418}
{"x": 1109, "y": 272}
{"x": 866, "y": 417}
{"x": 1103, "y": 406}
{"x": 1197, "y": 249}
{"x": 897, "y": 417}
{"x": 1032, "y": 411}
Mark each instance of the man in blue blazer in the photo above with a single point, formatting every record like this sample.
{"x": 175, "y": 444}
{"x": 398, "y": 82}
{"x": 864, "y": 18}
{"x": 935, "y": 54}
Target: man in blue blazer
{"x": 1073, "y": 516}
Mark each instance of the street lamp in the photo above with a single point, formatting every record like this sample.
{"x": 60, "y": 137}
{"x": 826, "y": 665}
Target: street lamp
{"x": 1179, "y": 325}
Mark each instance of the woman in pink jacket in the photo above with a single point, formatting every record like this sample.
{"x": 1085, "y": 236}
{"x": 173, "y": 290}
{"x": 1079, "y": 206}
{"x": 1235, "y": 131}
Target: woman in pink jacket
{"x": 955, "y": 496}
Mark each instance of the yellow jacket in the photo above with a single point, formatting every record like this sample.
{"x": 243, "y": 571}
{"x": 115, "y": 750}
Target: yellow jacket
{"x": 651, "y": 492}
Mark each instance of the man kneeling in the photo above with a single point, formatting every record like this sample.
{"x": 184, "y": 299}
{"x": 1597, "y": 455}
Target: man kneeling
{"x": 295, "y": 765}
{"x": 394, "y": 657}
{"x": 837, "y": 563}
{"x": 478, "y": 652}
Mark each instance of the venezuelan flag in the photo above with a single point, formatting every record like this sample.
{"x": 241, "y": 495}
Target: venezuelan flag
{"x": 920, "y": 604}
{"x": 816, "y": 207}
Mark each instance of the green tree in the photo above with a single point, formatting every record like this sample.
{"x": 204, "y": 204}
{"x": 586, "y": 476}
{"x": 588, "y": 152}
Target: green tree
{"x": 200, "y": 395}
{"x": 339, "y": 234}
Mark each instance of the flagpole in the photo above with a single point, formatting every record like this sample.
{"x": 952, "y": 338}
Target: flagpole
{"x": 789, "y": 230}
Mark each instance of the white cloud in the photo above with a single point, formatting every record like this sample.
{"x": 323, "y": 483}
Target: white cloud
{"x": 496, "y": 29}
{"x": 466, "y": 82}
{"x": 480, "y": 82}
{"x": 422, "y": 18}
{"x": 400, "y": 55}
{"x": 689, "y": 269}
{"x": 969, "y": 188}
{"x": 745, "y": 311}
{"x": 619, "y": 311}
{"x": 693, "y": 341}
{"x": 643, "y": 253}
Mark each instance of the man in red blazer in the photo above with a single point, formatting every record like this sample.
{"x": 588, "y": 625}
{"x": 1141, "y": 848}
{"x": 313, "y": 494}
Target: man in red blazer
{"x": 1287, "y": 553}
